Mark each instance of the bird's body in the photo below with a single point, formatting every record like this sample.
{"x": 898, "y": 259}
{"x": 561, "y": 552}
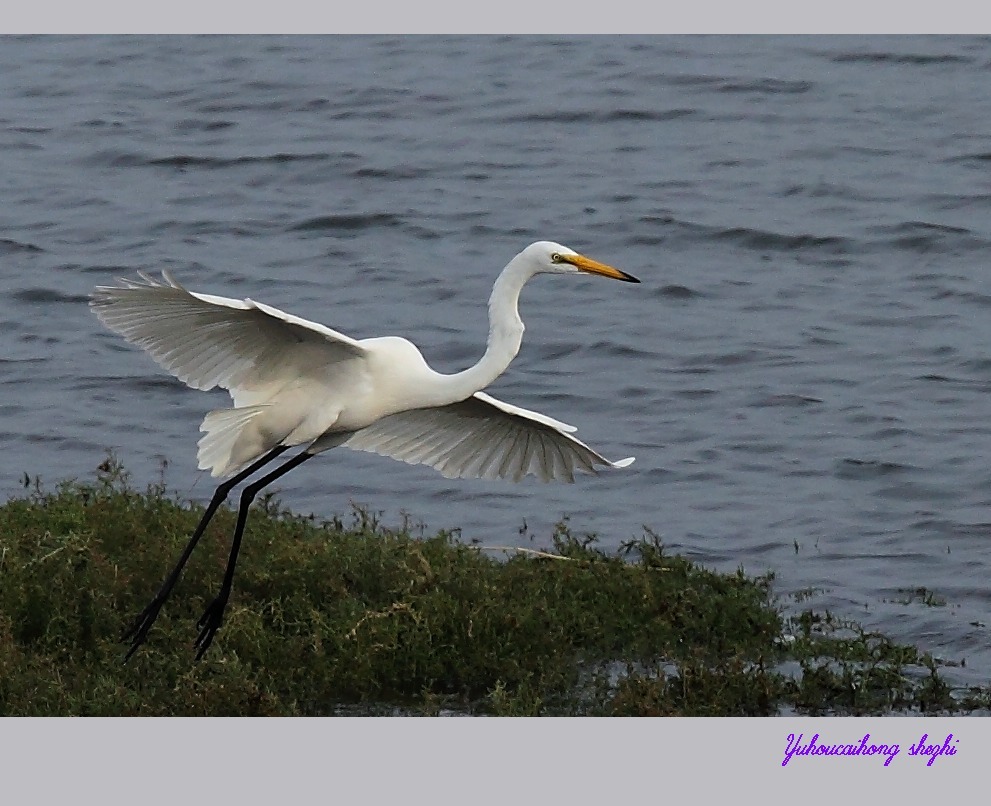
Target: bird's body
{"x": 298, "y": 383}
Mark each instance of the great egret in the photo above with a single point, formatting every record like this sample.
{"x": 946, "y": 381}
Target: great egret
{"x": 295, "y": 382}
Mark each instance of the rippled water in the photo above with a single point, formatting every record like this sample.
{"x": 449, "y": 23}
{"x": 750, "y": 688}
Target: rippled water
{"x": 803, "y": 374}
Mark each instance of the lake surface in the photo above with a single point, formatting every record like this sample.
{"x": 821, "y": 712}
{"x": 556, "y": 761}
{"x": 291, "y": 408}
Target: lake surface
{"x": 803, "y": 375}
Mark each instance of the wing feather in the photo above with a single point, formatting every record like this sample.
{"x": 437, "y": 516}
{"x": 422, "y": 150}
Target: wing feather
{"x": 481, "y": 437}
{"x": 208, "y": 341}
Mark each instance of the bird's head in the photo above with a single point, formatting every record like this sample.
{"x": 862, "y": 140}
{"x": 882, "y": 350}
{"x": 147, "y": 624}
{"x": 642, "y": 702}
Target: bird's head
{"x": 547, "y": 257}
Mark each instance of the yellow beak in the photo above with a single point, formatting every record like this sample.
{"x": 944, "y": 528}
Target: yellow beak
{"x": 590, "y": 266}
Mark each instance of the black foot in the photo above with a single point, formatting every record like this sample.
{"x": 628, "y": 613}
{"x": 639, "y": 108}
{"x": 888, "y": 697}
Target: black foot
{"x": 209, "y": 623}
{"x": 138, "y": 631}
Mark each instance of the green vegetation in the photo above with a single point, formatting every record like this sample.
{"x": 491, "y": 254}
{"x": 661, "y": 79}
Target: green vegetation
{"x": 358, "y": 619}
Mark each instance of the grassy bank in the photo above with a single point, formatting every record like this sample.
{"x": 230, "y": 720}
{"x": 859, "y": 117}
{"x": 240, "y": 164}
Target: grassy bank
{"x": 356, "y": 618}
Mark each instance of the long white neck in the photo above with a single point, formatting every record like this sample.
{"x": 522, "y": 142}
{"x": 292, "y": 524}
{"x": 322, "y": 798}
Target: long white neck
{"x": 505, "y": 336}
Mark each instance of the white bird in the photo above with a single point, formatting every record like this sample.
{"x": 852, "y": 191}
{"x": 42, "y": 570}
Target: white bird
{"x": 295, "y": 382}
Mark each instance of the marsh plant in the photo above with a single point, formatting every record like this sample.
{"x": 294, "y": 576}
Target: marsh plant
{"x": 348, "y": 616}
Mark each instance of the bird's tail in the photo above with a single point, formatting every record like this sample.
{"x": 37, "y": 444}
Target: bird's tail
{"x": 228, "y": 443}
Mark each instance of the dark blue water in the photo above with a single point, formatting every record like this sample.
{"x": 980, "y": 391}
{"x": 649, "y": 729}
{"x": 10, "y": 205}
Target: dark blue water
{"x": 803, "y": 375}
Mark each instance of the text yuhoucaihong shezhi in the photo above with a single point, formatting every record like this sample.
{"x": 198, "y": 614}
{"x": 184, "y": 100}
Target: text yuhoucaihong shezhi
{"x": 794, "y": 747}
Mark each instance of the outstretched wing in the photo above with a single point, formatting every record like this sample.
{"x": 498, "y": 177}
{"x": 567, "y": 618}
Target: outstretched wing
{"x": 208, "y": 341}
{"x": 481, "y": 437}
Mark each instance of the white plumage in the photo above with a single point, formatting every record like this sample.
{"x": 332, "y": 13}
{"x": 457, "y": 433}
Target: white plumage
{"x": 296, "y": 382}
{"x": 481, "y": 437}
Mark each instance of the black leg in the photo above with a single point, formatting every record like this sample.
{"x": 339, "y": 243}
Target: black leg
{"x": 214, "y": 615}
{"x": 139, "y": 628}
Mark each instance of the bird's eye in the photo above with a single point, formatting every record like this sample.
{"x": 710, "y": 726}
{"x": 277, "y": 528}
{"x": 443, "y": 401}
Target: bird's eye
{"x": 556, "y": 257}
